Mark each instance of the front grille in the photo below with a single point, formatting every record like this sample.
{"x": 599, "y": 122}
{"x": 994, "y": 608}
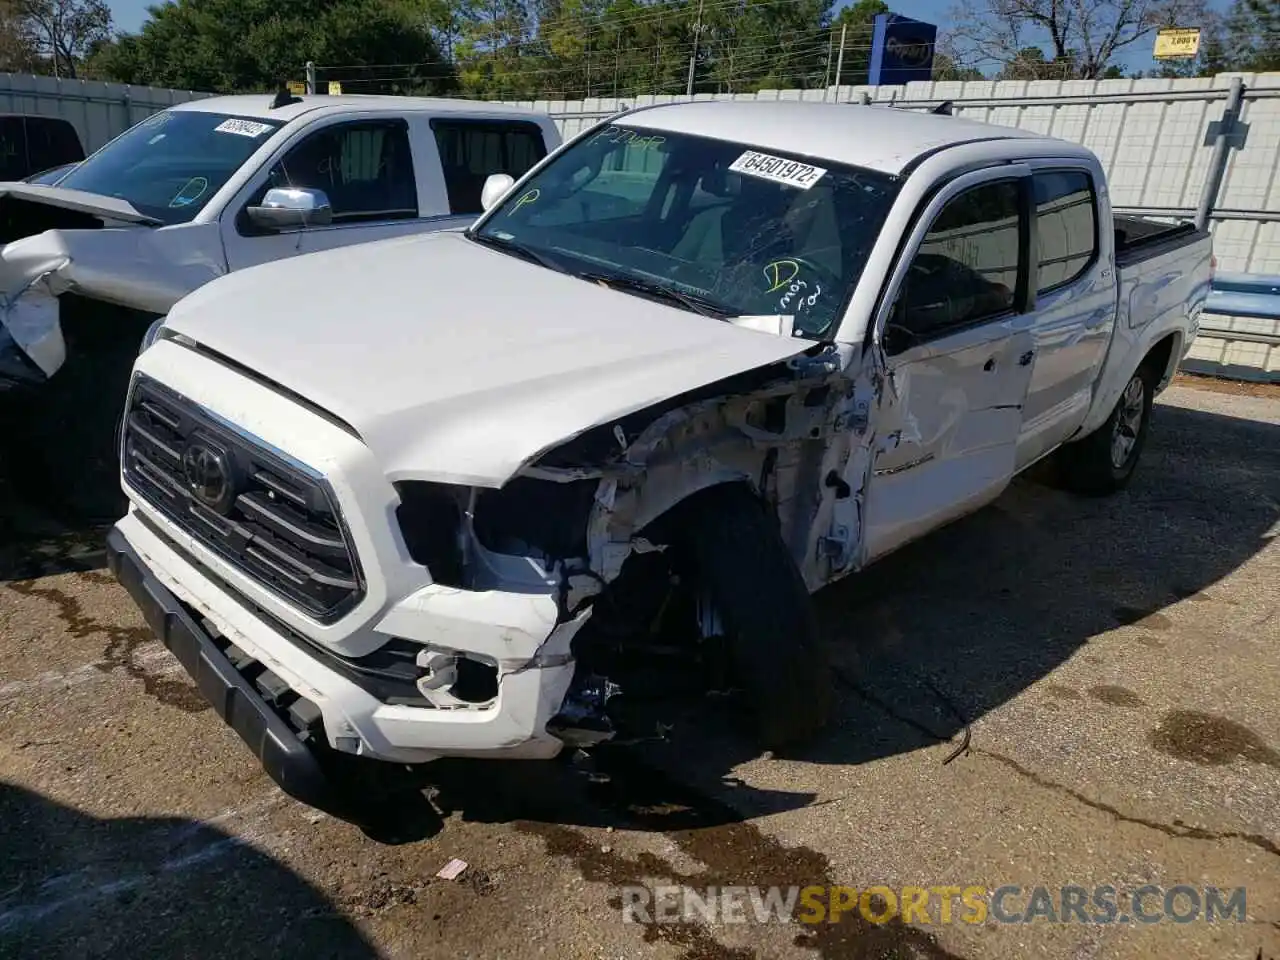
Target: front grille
{"x": 267, "y": 516}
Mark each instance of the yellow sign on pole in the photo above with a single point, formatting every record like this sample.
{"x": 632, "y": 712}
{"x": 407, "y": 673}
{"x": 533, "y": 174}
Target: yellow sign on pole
{"x": 1177, "y": 42}
{"x": 297, "y": 87}
{"x": 335, "y": 88}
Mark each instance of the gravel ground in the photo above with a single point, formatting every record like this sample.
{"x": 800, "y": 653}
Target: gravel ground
{"x": 1118, "y": 661}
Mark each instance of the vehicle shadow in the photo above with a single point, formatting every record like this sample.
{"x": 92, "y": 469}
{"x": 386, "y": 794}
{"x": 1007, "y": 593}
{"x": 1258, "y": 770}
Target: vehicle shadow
{"x": 943, "y": 631}
{"x": 73, "y": 885}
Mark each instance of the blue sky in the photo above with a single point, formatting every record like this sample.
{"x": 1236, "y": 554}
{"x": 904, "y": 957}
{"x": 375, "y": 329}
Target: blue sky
{"x": 129, "y": 15}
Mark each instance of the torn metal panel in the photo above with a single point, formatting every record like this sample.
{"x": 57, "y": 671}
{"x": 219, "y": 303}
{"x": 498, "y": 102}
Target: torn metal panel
{"x": 136, "y": 266}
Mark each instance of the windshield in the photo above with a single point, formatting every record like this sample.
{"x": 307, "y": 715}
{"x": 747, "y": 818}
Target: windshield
{"x": 722, "y": 225}
{"x": 170, "y": 164}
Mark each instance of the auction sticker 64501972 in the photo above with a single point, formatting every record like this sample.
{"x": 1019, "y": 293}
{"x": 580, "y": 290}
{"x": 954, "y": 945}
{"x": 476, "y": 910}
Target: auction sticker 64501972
{"x": 793, "y": 173}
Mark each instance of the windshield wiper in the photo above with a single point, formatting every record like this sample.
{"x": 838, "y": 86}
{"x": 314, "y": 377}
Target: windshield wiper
{"x": 518, "y": 250}
{"x": 649, "y": 288}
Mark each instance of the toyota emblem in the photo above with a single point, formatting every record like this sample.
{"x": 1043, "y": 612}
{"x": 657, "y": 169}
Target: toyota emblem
{"x": 207, "y": 471}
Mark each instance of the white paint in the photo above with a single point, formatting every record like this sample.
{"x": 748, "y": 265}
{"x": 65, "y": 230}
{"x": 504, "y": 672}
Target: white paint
{"x": 467, "y": 364}
{"x": 508, "y": 358}
{"x": 138, "y": 262}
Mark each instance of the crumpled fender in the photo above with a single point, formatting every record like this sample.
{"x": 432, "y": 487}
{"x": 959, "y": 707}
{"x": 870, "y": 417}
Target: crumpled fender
{"x": 141, "y": 267}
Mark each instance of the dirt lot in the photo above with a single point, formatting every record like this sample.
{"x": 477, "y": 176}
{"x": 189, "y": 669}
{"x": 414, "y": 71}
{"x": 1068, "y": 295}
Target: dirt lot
{"x": 1119, "y": 661}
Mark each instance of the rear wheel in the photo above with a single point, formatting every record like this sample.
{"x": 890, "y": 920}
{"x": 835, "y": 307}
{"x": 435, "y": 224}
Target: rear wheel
{"x": 1104, "y": 461}
{"x": 739, "y": 560}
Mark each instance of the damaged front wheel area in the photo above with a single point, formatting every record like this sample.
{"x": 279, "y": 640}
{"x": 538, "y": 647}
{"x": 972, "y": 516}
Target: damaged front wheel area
{"x": 738, "y": 558}
{"x": 721, "y": 605}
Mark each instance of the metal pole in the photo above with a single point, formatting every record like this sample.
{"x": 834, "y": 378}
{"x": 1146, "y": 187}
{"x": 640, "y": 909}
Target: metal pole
{"x": 826, "y": 73}
{"x": 1221, "y": 151}
{"x": 840, "y": 59}
{"x": 311, "y": 76}
{"x": 693, "y": 55}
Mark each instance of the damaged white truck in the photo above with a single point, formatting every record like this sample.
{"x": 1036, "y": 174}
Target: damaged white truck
{"x": 437, "y": 496}
{"x": 197, "y": 191}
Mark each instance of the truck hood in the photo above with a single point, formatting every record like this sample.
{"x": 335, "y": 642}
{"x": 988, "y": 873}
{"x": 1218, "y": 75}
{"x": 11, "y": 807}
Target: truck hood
{"x": 110, "y": 208}
{"x": 457, "y": 363}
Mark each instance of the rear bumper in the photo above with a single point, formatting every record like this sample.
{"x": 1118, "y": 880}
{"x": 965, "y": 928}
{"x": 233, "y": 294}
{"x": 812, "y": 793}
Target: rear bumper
{"x": 286, "y": 759}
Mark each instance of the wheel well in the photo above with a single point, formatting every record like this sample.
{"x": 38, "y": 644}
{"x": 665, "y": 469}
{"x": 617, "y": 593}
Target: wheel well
{"x": 1158, "y": 357}
{"x": 663, "y": 527}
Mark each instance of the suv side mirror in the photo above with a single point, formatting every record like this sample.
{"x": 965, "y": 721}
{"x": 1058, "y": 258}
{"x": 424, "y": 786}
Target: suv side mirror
{"x": 289, "y": 207}
{"x": 495, "y": 186}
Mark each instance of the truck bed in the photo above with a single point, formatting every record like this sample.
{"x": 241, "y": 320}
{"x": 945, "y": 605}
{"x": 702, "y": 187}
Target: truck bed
{"x": 1140, "y": 238}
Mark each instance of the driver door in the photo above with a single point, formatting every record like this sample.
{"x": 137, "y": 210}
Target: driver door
{"x": 956, "y": 332}
{"x": 364, "y": 167}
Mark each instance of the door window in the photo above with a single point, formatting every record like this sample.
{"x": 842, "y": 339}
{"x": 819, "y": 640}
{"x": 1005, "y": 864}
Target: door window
{"x": 1066, "y": 226}
{"x": 51, "y": 143}
{"x": 365, "y": 169}
{"x": 472, "y": 150}
{"x": 13, "y": 149}
{"x": 966, "y": 269}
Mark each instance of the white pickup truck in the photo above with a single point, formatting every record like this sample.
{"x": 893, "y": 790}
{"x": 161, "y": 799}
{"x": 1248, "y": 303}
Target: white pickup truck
{"x": 435, "y": 496}
{"x": 201, "y": 190}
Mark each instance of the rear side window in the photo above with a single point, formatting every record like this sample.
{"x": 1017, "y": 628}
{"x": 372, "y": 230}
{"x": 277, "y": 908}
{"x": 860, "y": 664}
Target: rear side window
{"x": 13, "y": 149}
{"x": 472, "y": 150}
{"x": 966, "y": 269}
{"x": 51, "y": 143}
{"x": 1066, "y": 226}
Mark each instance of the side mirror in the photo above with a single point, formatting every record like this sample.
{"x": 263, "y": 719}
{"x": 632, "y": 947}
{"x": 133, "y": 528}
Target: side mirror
{"x": 284, "y": 208}
{"x": 494, "y": 188}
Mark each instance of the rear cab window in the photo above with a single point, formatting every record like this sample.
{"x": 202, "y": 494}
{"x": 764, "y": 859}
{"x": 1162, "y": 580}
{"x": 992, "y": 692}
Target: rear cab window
{"x": 1066, "y": 226}
{"x": 472, "y": 150}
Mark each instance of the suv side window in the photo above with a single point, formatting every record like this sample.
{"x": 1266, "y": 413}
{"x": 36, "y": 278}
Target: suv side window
{"x": 13, "y": 149}
{"x": 364, "y": 167}
{"x": 51, "y": 143}
{"x": 966, "y": 269}
{"x": 1066, "y": 226}
{"x": 472, "y": 150}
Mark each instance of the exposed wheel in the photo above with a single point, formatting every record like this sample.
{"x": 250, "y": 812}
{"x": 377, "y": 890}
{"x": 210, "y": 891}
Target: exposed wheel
{"x": 738, "y": 557}
{"x": 1104, "y": 461}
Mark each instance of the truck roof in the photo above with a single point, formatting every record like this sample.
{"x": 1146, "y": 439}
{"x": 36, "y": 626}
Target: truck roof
{"x": 875, "y": 138}
{"x": 259, "y": 105}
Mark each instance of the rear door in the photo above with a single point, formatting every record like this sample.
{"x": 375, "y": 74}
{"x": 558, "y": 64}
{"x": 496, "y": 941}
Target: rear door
{"x": 473, "y": 149}
{"x": 957, "y": 338}
{"x": 1074, "y": 287}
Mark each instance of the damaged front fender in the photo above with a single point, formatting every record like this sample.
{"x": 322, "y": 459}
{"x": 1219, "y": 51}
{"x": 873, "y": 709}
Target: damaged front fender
{"x": 135, "y": 267}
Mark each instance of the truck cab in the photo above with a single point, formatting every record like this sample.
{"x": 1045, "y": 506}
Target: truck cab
{"x": 200, "y": 190}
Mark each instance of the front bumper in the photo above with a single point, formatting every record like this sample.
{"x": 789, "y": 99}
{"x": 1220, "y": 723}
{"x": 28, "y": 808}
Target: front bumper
{"x": 288, "y": 761}
{"x": 181, "y": 598}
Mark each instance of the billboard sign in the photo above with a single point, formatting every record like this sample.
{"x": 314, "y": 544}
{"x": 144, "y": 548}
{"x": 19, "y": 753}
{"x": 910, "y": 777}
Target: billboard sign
{"x": 901, "y": 49}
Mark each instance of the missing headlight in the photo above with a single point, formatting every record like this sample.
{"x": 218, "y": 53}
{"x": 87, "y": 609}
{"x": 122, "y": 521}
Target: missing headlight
{"x": 430, "y": 518}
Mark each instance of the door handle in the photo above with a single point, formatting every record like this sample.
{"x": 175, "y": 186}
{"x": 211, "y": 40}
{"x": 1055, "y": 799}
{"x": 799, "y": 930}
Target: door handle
{"x": 1026, "y": 358}
{"x": 990, "y": 364}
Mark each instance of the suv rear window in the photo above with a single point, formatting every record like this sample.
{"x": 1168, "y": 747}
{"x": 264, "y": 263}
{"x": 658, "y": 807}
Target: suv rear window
{"x": 472, "y": 150}
{"x": 1066, "y": 226}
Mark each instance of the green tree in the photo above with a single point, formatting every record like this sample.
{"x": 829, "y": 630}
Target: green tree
{"x": 225, "y": 46}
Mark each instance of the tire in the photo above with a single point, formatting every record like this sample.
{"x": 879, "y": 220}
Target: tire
{"x": 737, "y": 555}
{"x": 1104, "y": 461}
